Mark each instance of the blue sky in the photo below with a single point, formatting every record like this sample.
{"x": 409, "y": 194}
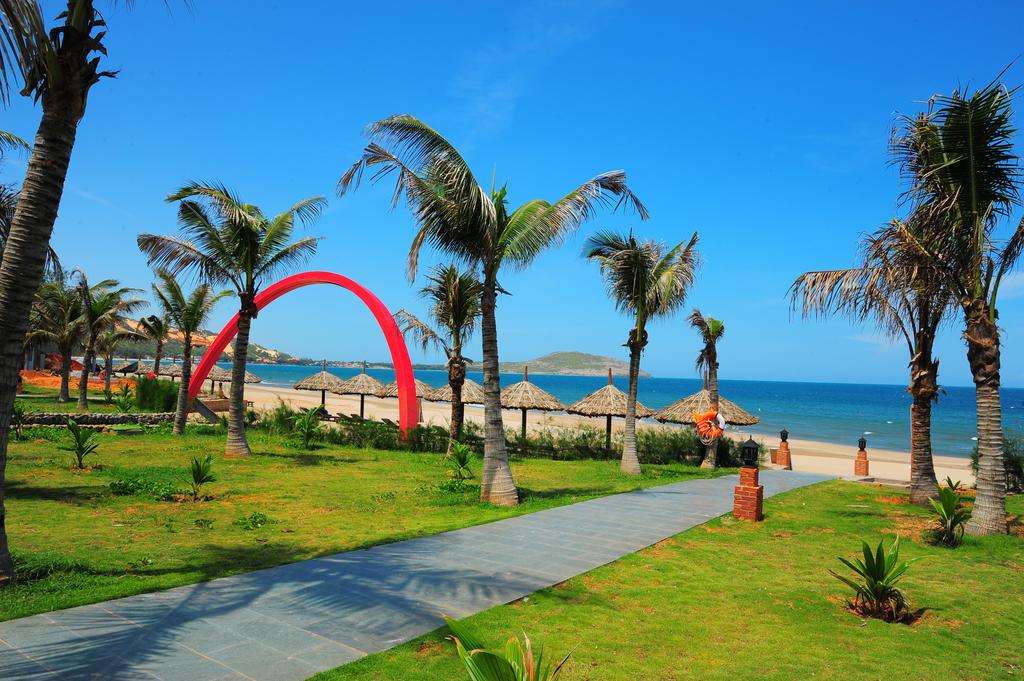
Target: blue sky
{"x": 763, "y": 127}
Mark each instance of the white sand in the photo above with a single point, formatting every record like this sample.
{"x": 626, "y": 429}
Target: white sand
{"x": 807, "y": 455}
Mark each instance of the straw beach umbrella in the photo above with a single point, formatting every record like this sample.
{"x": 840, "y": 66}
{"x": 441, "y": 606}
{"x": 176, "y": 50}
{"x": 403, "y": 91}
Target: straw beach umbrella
{"x": 609, "y": 401}
{"x": 422, "y": 389}
{"x": 144, "y": 368}
{"x": 361, "y": 384}
{"x": 323, "y": 381}
{"x": 525, "y": 395}
{"x": 128, "y": 366}
{"x": 472, "y": 393}
{"x": 172, "y": 370}
{"x": 682, "y": 410}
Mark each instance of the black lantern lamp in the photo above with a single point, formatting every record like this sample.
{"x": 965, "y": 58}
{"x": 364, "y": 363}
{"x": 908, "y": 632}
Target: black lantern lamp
{"x": 862, "y": 443}
{"x": 784, "y": 435}
{"x": 749, "y": 452}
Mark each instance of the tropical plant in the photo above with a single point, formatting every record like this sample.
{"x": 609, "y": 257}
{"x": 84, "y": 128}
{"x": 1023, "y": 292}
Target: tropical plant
{"x": 307, "y": 427}
{"x": 457, "y": 216}
{"x": 646, "y": 282}
{"x": 57, "y": 319}
{"x": 458, "y": 459}
{"x": 155, "y": 328}
{"x": 83, "y": 443}
{"x": 104, "y": 308}
{"x": 188, "y": 313}
{"x": 904, "y": 303}
{"x": 963, "y": 178}
{"x": 19, "y": 416}
{"x": 106, "y": 345}
{"x": 711, "y": 331}
{"x": 517, "y": 664}
{"x": 124, "y": 400}
{"x": 201, "y": 473}
{"x": 951, "y": 515}
{"x": 874, "y": 584}
{"x": 454, "y": 298}
{"x": 228, "y": 242}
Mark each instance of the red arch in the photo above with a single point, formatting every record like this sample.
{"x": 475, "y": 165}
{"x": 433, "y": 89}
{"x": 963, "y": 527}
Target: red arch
{"x": 408, "y": 408}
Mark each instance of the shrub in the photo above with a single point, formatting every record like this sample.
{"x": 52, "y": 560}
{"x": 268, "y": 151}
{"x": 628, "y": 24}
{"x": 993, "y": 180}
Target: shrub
{"x": 201, "y": 470}
{"x": 517, "y": 664}
{"x": 458, "y": 459}
{"x": 140, "y": 486}
{"x": 1013, "y": 460}
{"x": 50, "y": 433}
{"x": 253, "y": 521}
{"x": 277, "y": 420}
{"x": 83, "y": 443}
{"x": 874, "y": 586}
{"x": 950, "y": 514}
{"x": 307, "y": 426}
{"x": 153, "y": 394}
{"x": 19, "y": 414}
{"x": 124, "y": 401}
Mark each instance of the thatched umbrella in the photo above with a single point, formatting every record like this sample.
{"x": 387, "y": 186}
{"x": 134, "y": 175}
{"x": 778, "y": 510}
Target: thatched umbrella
{"x": 323, "y": 381}
{"x": 525, "y": 395}
{"x": 422, "y": 389}
{"x": 361, "y": 384}
{"x": 144, "y": 368}
{"x": 173, "y": 370}
{"x": 609, "y": 401}
{"x": 682, "y": 410}
{"x": 126, "y": 367}
{"x": 472, "y": 393}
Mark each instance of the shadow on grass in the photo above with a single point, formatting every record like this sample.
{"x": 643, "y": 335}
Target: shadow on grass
{"x": 309, "y": 458}
{"x": 79, "y": 494}
{"x": 526, "y": 494}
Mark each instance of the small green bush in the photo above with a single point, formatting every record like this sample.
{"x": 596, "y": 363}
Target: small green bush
{"x": 201, "y": 471}
{"x": 154, "y": 394}
{"x": 950, "y": 514}
{"x": 124, "y": 400}
{"x": 19, "y": 414}
{"x": 141, "y": 486}
{"x": 82, "y": 443}
{"x": 874, "y": 583}
{"x": 306, "y": 426}
{"x": 253, "y": 521}
{"x": 458, "y": 459}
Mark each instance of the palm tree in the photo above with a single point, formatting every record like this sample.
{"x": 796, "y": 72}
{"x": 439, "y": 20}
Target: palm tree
{"x": 711, "y": 331}
{"x": 155, "y": 328}
{"x": 460, "y": 218}
{"x": 188, "y": 313}
{"x": 107, "y": 343}
{"x": 646, "y": 282}
{"x": 57, "y": 319}
{"x": 104, "y": 308}
{"x": 904, "y": 305}
{"x": 454, "y": 298}
{"x": 964, "y": 180}
{"x": 228, "y": 242}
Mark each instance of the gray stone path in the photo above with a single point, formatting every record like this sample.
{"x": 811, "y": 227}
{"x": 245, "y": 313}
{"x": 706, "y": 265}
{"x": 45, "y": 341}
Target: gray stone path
{"x": 295, "y": 620}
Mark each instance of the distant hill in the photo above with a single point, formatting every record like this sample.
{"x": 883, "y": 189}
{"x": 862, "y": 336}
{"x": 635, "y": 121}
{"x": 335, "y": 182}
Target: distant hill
{"x": 571, "y": 364}
{"x": 173, "y": 348}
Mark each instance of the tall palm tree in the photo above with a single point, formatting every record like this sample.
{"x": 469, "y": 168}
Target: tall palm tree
{"x": 646, "y": 282}
{"x": 105, "y": 307}
{"x": 454, "y": 299}
{"x": 228, "y": 242}
{"x": 188, "y": 312}
{"x": 903, "y": 304}
{"x": 155, "y": 328}
{"x": 457, "y": 216}
{"x": 964, "y": 181}
{"x": 57, "y": 320}
{"x": 107, "y": 344}
{"x": 711, "y": 331}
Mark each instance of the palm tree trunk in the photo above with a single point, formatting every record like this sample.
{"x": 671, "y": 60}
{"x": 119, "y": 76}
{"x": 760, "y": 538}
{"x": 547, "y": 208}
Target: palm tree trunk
{"x": 21, "y": 271}
{"x": 238, "y": 445}
{"x": 181, "y": 411}
{"x": 711, "y": 450}
{"x": 924, "y": 386}
{"x": 65, "y": 376}
{"x": 982, "y": 335}
{"x": 108, "y": 363}
{"x": 496, "y": 483}
{"x": 159, "y": 356}
{"x": 630, "y": 462}
{"x": 456, "y": 379}
{"x": 83, "y": 381}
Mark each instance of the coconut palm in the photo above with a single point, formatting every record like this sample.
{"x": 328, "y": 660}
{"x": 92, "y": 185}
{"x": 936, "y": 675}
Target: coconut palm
{"x": 107, "y": 343}
{"x": 903, "y": 305}
{"x": 228, "y": 242}
{"x": 155, "y": 328}
{"x": 964, "y": 182}
{"x": 105, "y": 307}
{"x": 454, "y": 299}
{"x": 711, "y": 331}
{"x": 188, "y": 313}
{"x": 645, "y": 281}
{"x": 458, "y": 217}
{"x": 57, "y": 319}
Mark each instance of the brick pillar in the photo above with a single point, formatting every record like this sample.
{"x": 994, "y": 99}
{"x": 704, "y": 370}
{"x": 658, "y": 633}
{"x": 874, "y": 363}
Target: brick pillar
{"x": 748, "y": 503}
{"x": 860, "y": 464}
{"x": 783, "y": 458}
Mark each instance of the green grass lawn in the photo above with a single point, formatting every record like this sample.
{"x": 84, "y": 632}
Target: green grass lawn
{"x": 733, "y": 600}
{"x": 76, "y": 542}
{"x": 35, "y": 398}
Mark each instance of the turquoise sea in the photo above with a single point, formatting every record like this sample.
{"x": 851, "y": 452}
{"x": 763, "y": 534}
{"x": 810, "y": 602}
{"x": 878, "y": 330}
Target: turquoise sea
{"x": 828, "y": 412}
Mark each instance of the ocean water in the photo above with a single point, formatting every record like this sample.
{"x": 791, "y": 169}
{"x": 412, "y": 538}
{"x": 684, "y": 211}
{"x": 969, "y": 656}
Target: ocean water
{"x": 828, "y": 412}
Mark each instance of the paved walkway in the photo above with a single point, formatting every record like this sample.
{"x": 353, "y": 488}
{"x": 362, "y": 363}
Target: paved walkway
{"x": 292, "y": 621}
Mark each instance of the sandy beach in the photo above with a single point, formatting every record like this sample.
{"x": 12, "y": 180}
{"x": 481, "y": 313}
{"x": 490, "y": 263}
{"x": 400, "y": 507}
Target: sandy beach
{"x": 807, "y": 455}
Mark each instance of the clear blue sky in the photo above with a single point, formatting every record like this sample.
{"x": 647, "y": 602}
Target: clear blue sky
{"x": 763, "y": 127}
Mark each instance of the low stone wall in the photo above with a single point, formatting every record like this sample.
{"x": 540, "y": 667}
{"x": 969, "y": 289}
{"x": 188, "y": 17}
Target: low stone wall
{"x": 45, "y": 419}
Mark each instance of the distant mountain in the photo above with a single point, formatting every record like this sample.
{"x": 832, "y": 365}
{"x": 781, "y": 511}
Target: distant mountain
{"x": 200, "y": 341}
{"x": 570, "y": 364}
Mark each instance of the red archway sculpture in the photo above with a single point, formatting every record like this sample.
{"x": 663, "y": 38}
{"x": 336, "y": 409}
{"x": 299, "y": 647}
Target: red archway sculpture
{"x": 408, "y": 408}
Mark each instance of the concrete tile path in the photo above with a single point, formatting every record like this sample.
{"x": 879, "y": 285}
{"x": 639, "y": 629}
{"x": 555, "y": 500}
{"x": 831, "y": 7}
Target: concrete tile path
{"x": 289, "y": 622}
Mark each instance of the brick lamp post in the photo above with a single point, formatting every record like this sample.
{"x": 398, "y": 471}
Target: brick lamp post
{"x": 748, "y": 501}
{"x": 782, "y": 457}
{"x": 860, "y": 464}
